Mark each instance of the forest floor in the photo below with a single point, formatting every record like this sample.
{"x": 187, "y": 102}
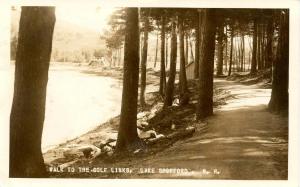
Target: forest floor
{"x": 262, "y": 78}
{"x": 242, "y": 140}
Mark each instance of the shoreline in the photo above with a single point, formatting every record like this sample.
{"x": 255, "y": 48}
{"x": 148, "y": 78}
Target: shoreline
{"x": 103, "y": 137}
{"x": 113, "y": 73}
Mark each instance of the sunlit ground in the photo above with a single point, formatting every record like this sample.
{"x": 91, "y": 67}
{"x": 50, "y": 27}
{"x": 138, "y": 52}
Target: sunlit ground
{"x": 242, "y": 140}
{"x": 251, "y": 95}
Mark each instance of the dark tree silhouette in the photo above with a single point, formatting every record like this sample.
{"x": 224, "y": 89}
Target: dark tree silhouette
{"x": 170, "y": 85}
{"x": 167, "y": 53}
{"x": 128, "y": 139}
{"x": 205, "y": 88}
{"x": 162, "y": 82}
{"x": 220, "y": 49}
{"x": 144, "y": 59}
{"x": 31, "y": 76}
{"x": 259, "y": 47}
{"x": 156, "y": 49}
{"x": 187, "y": 47}
{"x": 231, "y": 50}
{"x": 268, "y": 51}
{"x": 280, "y": 98}
{"x": 197, "y": 46}
{"x": 254, "y": 62}
{"x": 183, "y": 89}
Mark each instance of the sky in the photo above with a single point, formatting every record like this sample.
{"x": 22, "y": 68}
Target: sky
{"x": 92, "y": 17}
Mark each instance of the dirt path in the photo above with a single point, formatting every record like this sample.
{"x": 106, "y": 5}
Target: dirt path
{"x": 243, "y": 141}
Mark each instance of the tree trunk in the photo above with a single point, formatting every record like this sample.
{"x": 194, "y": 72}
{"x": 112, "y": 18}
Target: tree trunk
{"x": 250, "y": 52}
{"x": 231, "y": 51}
{"x": 141, "y": 38}
{"x": 119, "y": 56}
{"x": 111, "y": 58}
{"x": 114, "y": 58}
{"x": 183, "y": 89}
{"x": 259, "y": 47}
{"x": 186, "y": 48}
{"x": 263, "y": 48}
{"x": 243, "y": 52}
{"x": 171, "y": 81}
{"x": 197, "y": 46}
{"x": 144, "y": 63}
{"x": 269, "y": 53}
{"x": 162, "y": 82}
{"x": 31, "y": 77}
{"x": 156, "y": 49}
{"x": 220, "y": 51}
{"x": 167, "y": 52}
{"x": 192, "y": 54}
{"x": 205, "y": 89}
{"x": 226, "y": 49}
{"x": 128, "y": 139}
{"x": 241, "y": 56}
{"x": 254, "y": 45}
{"x": 279, "y": 101}
{"x": 249, "y": 61}
{"x": 237, "y": 58}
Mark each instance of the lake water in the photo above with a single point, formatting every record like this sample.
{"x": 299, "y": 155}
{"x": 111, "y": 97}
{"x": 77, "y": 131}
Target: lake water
{"x": 76, "y": 102}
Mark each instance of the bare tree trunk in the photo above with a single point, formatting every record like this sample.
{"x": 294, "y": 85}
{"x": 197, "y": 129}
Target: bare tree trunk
{"x": 238, "y": 56}
{"x": 249, "y": 61}
{"x": 220, "y": 51}
{"x": 231, "y": 50}
{"x": 279, "y": 101}
{"x": 156, "y": 49}
{"x": 114, "y": 57}
{"x": 167, "y": 51}
{"x": 197, "y": 46}
{"x": 269, "y": 53}
{"x": 141, "y": 38}
{"x": 226, "y": 49}
{"x": 186, "y": 47}
{"x": 31, "y": 77}
{"x": 250, "y": 52}
{"x": 205, "y": 89}
{"x": 259, "y": 62}
{"x": 192, "y": 54}
{"x": 183, "y": 89}
{"x": 128, "y": 139}
{"x": 162, "y": 82}
{"x": 264, "y": 46}
{"x": 241, "y": 55}
{"x": 254, "y": 45}
{"x": 119, "y": 56}
{"x": 243, "y": 52}
{"x": 111, "y": 58}
{"x": 144, "y": 62}
{"x": 170, "y": 86}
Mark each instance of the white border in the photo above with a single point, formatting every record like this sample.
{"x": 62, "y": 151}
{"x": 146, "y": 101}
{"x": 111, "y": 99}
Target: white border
{"x": 293, "y": 175}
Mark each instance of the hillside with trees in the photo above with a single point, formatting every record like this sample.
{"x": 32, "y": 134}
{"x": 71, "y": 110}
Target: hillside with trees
{"x": 71, "y": 42}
